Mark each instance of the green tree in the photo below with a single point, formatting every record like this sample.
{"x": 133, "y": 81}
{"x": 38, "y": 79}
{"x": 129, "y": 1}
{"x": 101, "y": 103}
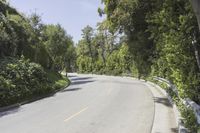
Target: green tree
{"x": 109, "y": 57}
{"x": 87, "y": 38}
{"x": 129, "y": 17}
{"x": 36, "y": 39}
{"x": 24, "y": 41}
{"x": 57, "y": 42}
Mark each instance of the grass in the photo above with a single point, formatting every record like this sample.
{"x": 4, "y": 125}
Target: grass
{"x": 58, "y": 81}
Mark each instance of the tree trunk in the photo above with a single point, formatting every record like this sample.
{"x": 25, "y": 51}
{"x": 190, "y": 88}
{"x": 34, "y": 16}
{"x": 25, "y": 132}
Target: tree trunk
{"x": 14, "y": 51}
{"x": 103, "y": 49}
{"x": 36, "y": 55}
{"x": 194, "y": 43}
{"x": 196, "y": 8}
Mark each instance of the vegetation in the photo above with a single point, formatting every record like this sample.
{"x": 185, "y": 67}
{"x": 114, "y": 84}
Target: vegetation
{"x": 102, "y": 54}
{"x": 32, "y": 56}
{"x": 163, "y": 39}
{"x": 21, "y": 80}
{"x": 142, "y": 38}
{"x": 147, "y": 38}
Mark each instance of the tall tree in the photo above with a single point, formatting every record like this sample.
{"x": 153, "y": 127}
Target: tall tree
{"x": 35, "y": 21}
{"x": 129, "y": 17}
{"x": 87, "y": 37}
{"x": 57, "y": 42}
{"x": 14, "y": 34}
{"x": 196, "y": 8}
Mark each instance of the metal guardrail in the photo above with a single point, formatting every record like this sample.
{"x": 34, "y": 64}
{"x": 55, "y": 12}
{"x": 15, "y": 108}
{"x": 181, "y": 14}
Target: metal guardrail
{"x": 195, "y": 107}
{"x": 170, "y": 85}
{"x": 187, "y": 102}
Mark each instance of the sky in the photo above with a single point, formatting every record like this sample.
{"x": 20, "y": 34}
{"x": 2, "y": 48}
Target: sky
{"x": 73, "y": 15}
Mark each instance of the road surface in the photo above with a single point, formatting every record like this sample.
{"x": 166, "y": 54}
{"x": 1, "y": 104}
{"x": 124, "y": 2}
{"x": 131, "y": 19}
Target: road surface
{"x": 91, "y": 104}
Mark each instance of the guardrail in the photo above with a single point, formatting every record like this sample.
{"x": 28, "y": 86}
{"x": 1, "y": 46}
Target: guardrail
{"x": 187, "y": 102}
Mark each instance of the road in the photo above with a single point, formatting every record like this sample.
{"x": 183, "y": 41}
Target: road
{"x": 91, "y": 104}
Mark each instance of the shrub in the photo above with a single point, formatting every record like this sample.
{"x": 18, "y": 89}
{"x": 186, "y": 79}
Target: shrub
{"x": 21, "y": 79}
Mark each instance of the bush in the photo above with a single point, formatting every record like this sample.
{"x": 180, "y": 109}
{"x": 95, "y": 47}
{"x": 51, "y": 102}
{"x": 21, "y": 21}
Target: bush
{"x": 20, "y": 80}
{"x": 57, "y": 80}
{"x": 189, "y": 120}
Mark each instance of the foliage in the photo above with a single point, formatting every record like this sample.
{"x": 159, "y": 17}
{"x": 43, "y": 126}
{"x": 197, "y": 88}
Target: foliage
{"x": 189, "y": 120}
{"x": 13, "y": 33}
{"x": 163, "y": 38}
{"x": 48, "y": 45}
{"x": 116, "y": 63}
{"x": 188, "y": 117}
{"x": 44, "y": 48}
{"x": 173, "y": 37}
{"x": 20, "y": 79}
{"x": 57, "y": 80}
{"x": 84, "y": 64}
{"x": 129, "y": 17}
{"x": 57, "y": 42}
{"x": 119, "y": 61}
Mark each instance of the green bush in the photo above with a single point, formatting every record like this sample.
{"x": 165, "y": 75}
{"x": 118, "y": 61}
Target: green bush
{"x": 57, "y": 80}
{"x": 20, "y": 79}
{"x": 189, "y": 120}
{"x": 85, "y": 64}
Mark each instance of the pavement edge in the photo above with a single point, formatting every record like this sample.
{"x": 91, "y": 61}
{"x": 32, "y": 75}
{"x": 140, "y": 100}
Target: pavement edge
{"x": 181, "y": 128}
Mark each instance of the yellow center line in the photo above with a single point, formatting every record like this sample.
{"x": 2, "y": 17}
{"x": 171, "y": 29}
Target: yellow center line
{"x": 76, "y": 114}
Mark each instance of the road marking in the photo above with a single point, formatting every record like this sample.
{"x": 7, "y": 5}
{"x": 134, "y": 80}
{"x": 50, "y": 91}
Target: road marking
{"x": 76, "y": 114}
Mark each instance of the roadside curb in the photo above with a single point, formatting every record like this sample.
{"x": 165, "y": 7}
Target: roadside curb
{"x": 181, "y": 128}
{"x": 17, "y": 105}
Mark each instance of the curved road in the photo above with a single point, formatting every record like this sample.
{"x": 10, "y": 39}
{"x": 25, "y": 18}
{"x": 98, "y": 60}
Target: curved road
{"x": 91, "y": 104}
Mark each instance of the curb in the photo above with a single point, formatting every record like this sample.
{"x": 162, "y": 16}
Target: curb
{"x": 181, "y": 128}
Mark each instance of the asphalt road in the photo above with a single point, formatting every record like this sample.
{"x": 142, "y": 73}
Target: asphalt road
{"x": 91, "y": 104}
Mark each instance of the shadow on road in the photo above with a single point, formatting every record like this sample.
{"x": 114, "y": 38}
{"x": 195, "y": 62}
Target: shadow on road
{"x": 72, "y": 89}
{"x": 9, "y": 111}
{"x": 75, "y": 81}
{"x": 16, "y": 108}
{"x": 163, "y": 101}
{"x": 81, "y": 78}
{"x": 71, "y": 76}
{"x": 174, "y": 130}
{"x": 81, "y": 82}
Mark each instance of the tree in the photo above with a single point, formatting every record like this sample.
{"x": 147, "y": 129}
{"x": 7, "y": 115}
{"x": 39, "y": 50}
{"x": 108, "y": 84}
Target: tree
{"x": 70, "y": 57}
{"x": 37, "y": 27}
{"x": 108, "y": 57}
{"x": 87, "y": 36}
{"x": 14, "y": 34}
{"x": 57, "y": 42}
{"x": 22, "y": 42}
{"x": 129, "y": 17}
{"x": 196, "y": 8}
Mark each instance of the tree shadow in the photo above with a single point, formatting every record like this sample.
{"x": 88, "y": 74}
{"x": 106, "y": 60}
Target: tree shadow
{"x": 72, "y": 89}
{"x": 82, "y": 82}
{"x": 8, "y": 111}
{"x": 76, "y": 81}
{"x": 17, "y": 107}
{"x": 174, "y": 130}
{"x": 71, "y": 76}
{"x": 163, "y": 101}
{"x": 81, "y": 78}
